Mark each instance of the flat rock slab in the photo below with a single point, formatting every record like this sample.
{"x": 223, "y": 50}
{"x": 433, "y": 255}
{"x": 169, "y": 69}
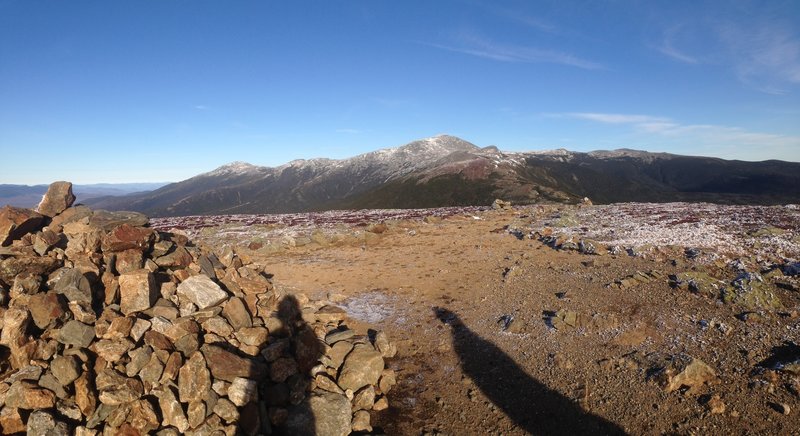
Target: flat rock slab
{"x": 202, "y": 291}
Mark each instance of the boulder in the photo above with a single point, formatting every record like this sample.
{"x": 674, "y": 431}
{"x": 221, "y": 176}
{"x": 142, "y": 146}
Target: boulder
{"x": 16, "y": 222}
{"x": 201, "y": 291}
{"x": 57, "y": 199}
{"x": 362, "y": 367}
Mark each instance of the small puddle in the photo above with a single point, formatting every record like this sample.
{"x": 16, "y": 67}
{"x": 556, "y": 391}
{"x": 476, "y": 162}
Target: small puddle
{"x": 372, "y": 307}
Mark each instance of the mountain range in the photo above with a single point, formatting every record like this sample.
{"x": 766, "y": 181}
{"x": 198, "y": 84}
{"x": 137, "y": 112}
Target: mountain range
{"x": 30, "y": 195}
{"x": 448, "y": 171}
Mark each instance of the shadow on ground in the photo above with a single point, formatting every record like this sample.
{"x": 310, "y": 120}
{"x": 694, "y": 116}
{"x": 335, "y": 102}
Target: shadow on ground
{"x": 532, "y": 406}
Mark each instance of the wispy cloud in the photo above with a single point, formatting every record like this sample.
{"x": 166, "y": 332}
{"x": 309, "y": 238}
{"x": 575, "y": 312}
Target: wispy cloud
{"x": 201, "y": 107}
{"x": 484, "y": 48}
{"x": 731, "y": 141}
{"x": 766, "y": 56}
{"x": 524, "y": 19}
{"x": 668, "y": 48}
{"x": 763, "y": 50}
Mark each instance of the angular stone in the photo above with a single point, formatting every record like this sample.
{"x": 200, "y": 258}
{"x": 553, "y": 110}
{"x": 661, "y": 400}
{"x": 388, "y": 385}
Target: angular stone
{"x": 171, "y": 410}
{"x": 382, "y": 344}
{"x": 685, "y": 371}
{"x": 42, "y": 422}
{"x": 337, "y": 353}
{"x": 226, "y": 410}
{"x": 158, "y": 341}
{"x": 196, "y": 413}
{"x": 116, "y": 389}
{"x": 282, "y": 368}
{"x": 138, "y": 291}
{"x": 227, "y": 366}
{"x": 16, "y": 222}
{"x": 361, "y": 421}
{"x": 128, "y": 237}
{"x": 172, "y": 368}
{"x": 26, "y": 283}
{"x": 76, "y": 333}
{"x": 13, "y": 266}
{"x": 218, "y": 326}
{"x": 201, "y": 291}
{"x": 66, "y": 369}
{"x": 11, "y": 421}
{"x": 15, "y": 325}
{"x": 142, "y": 417}
{"x": 194, "y": 379}
{"x": 138, "y": 359}
{"x": 151, "y": 373}
{"x": 326, "y": 383}
{"x": 308, "y": 349}
{"x": 47, "y": 239}
{"x": 387, "y": 381}
{"x": 57, "y": 199}
{"x": 363, "y": 366}
{"x": 242, "y": 391}
{"x": 85, "y": 396}
{"x": 75, "y": 286}
{"x": 50, "y": 382}
{"x": 119, "y": 328}
{"x": 253, "y": 336}
{"x": 364, "y": 399}
{"x": 139, "y": 328}
{"x": 339, "y": 335}
{"x": 179, "y": 258}
{"x": 27, "y": 395}
{"x": 82, "y": 311}
{"x": 236, "y": 314}
{"x": 128, "y": 261}
{"x": 322, "y": 414}
{"x": 112, "y": 350}
{"x": 251, "y": 281}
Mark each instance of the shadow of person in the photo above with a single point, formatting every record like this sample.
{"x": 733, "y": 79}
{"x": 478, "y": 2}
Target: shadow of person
{"x": 306, "y": 350}
{"x": 532, "y": 406}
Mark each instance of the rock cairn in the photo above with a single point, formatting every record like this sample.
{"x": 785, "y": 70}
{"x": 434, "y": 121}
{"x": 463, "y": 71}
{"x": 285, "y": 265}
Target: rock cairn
{"x": 110, "y": 327}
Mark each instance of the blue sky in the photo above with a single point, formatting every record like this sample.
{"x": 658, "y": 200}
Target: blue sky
{"x": 134, "y": 91}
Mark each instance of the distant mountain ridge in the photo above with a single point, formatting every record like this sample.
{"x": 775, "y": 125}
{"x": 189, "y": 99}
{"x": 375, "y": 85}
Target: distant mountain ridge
{"x": 446, "y": 170}
{"x": 30, "y": 195}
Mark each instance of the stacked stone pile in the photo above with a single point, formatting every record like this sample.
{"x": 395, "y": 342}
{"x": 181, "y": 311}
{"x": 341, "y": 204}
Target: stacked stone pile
{"x": 110, "y": 327}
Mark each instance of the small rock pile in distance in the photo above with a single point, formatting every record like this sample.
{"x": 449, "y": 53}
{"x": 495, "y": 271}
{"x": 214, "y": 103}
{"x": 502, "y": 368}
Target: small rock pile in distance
{"x": 110, "y": 327}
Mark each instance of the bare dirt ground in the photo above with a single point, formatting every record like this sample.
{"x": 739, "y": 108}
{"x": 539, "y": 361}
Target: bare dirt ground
{"x": 498, "y": 332}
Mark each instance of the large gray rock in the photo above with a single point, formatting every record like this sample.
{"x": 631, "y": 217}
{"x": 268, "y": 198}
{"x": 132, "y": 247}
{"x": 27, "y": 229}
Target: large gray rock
{"x": 326, "y": 414}
{"x": 57, "y": 199}
{"x": 137, "y": 291}
{"x": 202, "y": 291}
{"x": 363, "y": 366}
{"x": 74, "y": 285}
{"x": 76, "y": 333}
{"x": 43, "y": 423}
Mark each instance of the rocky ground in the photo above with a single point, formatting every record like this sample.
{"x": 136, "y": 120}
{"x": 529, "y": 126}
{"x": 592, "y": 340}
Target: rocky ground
{"x": 618, "y": 319}
{"x": 626, "y": 318}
